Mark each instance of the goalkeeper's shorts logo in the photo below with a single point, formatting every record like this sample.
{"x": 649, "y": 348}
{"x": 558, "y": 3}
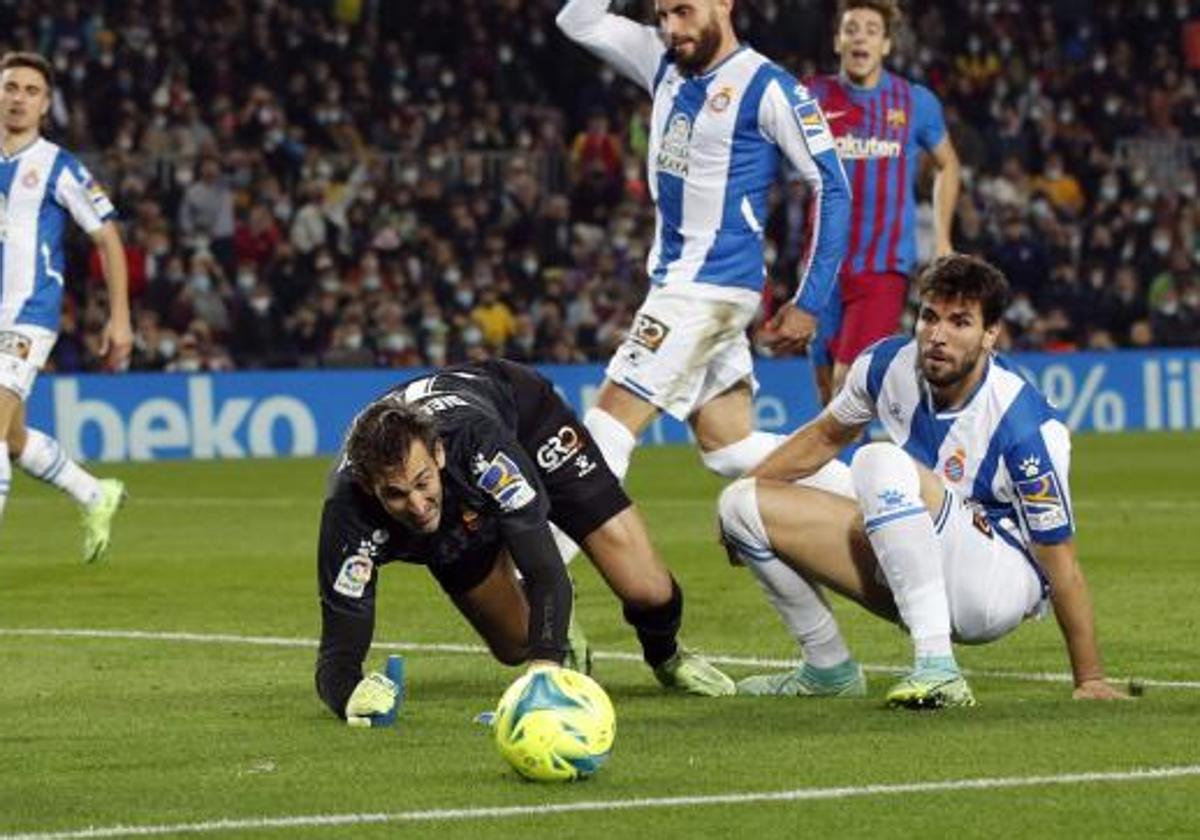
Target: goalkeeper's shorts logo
{"x": 559, "y": 448}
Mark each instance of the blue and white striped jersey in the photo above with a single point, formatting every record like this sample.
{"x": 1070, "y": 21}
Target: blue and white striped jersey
{"x": 39, "y": 187}
{"x": 716, "y": 144}
{"x": 1005, "y": 449}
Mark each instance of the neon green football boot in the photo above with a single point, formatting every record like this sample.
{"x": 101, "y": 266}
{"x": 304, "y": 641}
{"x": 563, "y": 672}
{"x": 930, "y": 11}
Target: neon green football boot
{"x": 97, "y": 520}
{"x": 693, "y": 674}
{"x": 930, "y": 688}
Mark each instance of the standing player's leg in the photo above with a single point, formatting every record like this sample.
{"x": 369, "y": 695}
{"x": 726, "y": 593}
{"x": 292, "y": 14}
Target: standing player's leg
{"x": 10, "y": 402}
{"x": 23, "y": 353}
{"x": 653, "y": 603}
{"x": 42, "y": 457}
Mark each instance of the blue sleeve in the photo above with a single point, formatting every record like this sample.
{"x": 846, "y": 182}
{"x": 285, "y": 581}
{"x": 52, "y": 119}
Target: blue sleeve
{"x": 829, "y": 217}
{"x": 927, "y": 117}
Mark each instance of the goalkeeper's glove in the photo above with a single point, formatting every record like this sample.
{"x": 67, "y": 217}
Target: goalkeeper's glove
{"x": 373, "y": 702}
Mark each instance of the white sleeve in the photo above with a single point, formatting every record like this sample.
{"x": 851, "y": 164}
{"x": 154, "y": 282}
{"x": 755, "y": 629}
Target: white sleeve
{"x": 635, "y": 51}
{"x": 853, "y": 405}
{"x": 84, "y": 199}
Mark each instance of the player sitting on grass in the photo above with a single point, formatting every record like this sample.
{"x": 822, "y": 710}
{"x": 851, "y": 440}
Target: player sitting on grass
{"x": 462, "y": 472}
{"x": 961, "y": 527}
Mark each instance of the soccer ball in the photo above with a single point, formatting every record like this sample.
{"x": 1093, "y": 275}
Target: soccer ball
{"x": 555, "y": 725}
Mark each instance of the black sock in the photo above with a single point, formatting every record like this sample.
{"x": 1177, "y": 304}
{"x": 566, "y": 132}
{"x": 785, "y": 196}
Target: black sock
{"x": 658, "y": 626}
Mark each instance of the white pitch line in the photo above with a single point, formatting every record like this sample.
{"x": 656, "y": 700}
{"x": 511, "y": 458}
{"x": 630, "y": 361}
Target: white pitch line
{"x": 469, "y": 814}
{"x": 434, "y": 647}
{"x": 707, "y": 504}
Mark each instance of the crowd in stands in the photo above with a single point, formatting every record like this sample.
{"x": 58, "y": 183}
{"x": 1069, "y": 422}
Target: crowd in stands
{"x": 355, "y": 183}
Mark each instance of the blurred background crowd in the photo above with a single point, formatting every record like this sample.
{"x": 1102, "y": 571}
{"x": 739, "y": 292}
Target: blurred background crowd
{"x": 352, "y": 183}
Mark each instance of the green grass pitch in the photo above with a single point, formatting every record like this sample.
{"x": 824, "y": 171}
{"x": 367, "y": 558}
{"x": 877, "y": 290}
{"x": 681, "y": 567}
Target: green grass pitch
{"x": 120, "y": 731}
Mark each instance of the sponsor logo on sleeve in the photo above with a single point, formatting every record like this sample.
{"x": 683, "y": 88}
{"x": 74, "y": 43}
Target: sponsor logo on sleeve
{"x": 816, "y": 133}
{"x": 504, "y": 482}
{"x": 352, "y": 580}
{"x": 1043, "y": 503}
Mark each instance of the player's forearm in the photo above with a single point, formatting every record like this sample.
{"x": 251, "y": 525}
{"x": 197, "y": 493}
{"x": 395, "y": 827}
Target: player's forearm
{"x": 807, "y": 450}
{"x": 1073, "y": 610}
{"x": 632, "y": 49}
{"x": 818, "y": 273}
{"x": 548, "y": 589}
{"x": 116, "y": 272}
{"x": 580, "y": 20}
{"x": 945, "y": 199}
{"x": 345, "y": 641}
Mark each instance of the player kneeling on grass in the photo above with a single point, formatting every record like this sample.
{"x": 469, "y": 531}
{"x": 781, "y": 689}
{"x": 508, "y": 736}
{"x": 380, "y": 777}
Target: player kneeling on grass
{"x": 960, "y": 527}
{"x": 462, "y": 472}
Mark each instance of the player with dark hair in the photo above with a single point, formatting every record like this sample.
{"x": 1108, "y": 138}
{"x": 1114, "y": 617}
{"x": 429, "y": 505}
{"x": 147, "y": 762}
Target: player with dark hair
{"x": 41, "y": 186}
{"x": 960, "y": 528}
{"x": 463, "y": 472}
{"x": 724, "y": 120}
{"x": 882, "y": 123}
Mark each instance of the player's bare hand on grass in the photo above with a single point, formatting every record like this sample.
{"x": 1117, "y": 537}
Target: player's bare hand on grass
{"x": 790, "y": 330}
{"x": 1098, "y": 690}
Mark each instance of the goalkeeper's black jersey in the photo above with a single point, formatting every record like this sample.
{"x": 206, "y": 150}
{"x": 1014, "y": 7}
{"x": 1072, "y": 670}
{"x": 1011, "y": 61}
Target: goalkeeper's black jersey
{"x": 514, "y": 452}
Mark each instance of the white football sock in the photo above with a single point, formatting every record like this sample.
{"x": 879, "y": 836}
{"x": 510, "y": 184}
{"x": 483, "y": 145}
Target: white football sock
{"x": 44, "y": 459}
{"x": 5, "y": 476}
{"x": 800, "y": 604}
{"x": 901, "y": 533}
{"x": 613, "y": 438}
{"x": 734, "y": 460}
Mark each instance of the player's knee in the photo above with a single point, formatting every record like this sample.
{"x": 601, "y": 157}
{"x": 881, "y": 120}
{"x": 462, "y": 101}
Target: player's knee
{"x": 613, "y": 439}
{"x": 741, "y": 523}
{"x": 734, "y": 460}
{"x": 882, "y": 464}
{"x": 508, "y": 652}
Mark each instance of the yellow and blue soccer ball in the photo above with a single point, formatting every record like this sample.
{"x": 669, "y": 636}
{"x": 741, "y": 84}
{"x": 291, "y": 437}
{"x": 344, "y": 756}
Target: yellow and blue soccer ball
{"x": 555, "y": 725}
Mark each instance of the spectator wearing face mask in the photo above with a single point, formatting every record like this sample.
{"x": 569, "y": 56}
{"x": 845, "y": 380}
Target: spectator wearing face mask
{"x": 1059, "y": 186}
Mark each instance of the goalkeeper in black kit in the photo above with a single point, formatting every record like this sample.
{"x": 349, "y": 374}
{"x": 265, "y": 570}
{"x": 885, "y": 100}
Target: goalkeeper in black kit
{"x": 463, "y": 472}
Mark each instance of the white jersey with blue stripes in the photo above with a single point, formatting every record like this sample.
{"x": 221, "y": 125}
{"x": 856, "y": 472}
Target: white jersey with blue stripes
{"x": 40, "y": 186}
{"x": 716, "y": 145}
{"x": 1005, "y": 448}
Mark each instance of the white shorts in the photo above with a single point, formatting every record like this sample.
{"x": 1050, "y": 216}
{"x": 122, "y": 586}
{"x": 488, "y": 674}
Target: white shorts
{"x": 990, "y": 582}
{"x": 684, "y": 348}
{"x": 24, "y": 350}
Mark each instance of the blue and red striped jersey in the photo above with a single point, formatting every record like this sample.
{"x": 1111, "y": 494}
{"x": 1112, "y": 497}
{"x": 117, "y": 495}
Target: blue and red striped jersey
{"x": 880, "y": 133}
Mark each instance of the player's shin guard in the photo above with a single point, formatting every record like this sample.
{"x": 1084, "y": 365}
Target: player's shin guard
{"x": 614, "y": 439}
{"x": 801, "y": 605}
{"x": 45, "y": 460}
{"x": 5, "y": 477}
{"x": 901, "y": 533}
{"x": 735, "y": 459}
{"x": 658, "y": 627}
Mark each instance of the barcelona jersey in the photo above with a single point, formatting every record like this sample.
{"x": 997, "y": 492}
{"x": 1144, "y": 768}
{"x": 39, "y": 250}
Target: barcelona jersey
{"x": 879, "y": 134}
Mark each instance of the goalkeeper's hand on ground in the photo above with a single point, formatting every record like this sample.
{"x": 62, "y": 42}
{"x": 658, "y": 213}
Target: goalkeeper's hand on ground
{"x": 374, "y": 697}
